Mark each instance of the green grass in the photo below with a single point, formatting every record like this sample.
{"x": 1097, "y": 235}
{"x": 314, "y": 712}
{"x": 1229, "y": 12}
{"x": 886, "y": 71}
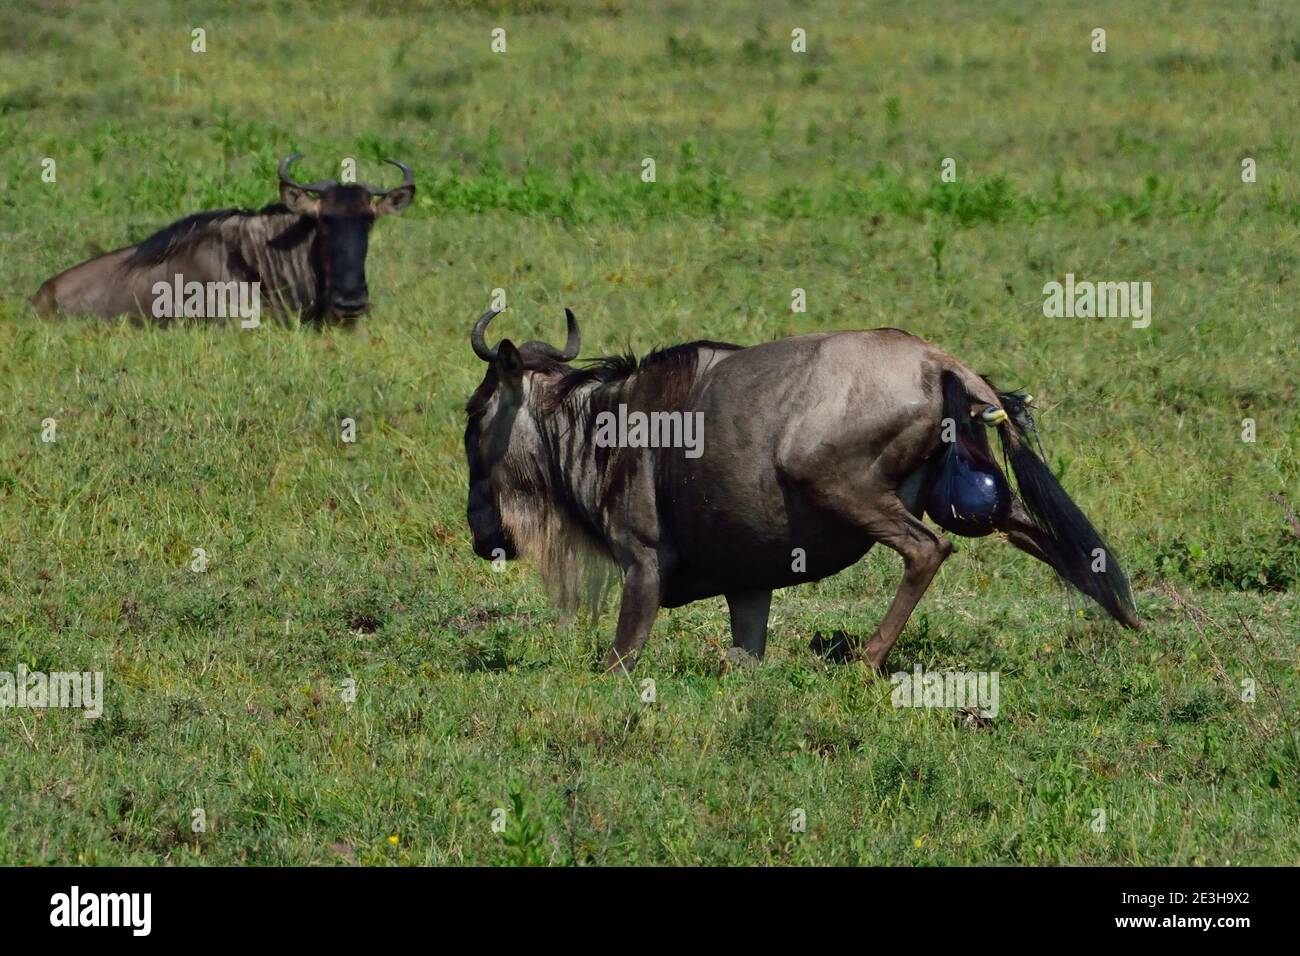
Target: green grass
{"x": 331, "y": 561}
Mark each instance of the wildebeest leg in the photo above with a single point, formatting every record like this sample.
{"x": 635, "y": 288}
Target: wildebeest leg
{"x": 885, "y": 518}
{"x": 636, "y": 615}
{"x": 749, "y": 610}
{"x": 922, "y": 550}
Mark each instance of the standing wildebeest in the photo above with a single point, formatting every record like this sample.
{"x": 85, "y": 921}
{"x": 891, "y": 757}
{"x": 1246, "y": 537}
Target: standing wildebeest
{"x": 308, "y": 253}
{"x": 815, "y": 448}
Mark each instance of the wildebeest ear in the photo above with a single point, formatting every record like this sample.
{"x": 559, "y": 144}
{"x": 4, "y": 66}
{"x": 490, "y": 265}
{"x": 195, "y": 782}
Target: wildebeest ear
{"x": 395, "y": 200}
{"x": 299, "y": 200}
{"x": 509, "y": 363}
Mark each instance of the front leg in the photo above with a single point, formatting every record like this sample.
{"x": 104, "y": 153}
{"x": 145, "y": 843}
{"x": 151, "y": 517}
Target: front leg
{"x": 636, "y": 614}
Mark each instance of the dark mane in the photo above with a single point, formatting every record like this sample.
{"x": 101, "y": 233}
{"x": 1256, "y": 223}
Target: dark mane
{"x": 663, "y": 367}
{"x": 561, "y": 490}
{"x": 166, "y": 241}
{"x": 661, "y": 382}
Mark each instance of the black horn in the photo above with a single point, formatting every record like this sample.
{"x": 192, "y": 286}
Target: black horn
{"x": 311, "y": 187}
{"x": 476, "y": 338}
{"x": 574, "y": 343}
{"x": 408, "y": 179}
{"x": 571, "y": 345}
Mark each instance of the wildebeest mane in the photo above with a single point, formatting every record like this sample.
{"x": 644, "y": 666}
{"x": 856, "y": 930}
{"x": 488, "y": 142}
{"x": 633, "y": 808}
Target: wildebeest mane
{"x": 660, "y": 382}
{"x": 666, "y": 372}
{"x": 171, "y": 239}
{"x": 555, "y": 523}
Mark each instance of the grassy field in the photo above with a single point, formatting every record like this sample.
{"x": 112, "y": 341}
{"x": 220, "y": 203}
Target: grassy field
{"x": 775, "y": 170}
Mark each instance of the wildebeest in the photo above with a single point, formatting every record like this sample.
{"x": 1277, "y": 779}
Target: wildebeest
{"x": 307, "y": 252}
{"x": 815, "y": 448}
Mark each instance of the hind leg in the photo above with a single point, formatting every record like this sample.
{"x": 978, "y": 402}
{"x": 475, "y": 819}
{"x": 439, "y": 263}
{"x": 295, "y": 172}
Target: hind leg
{"x": 861, "y": 480}
{"x": 885, "y": 518}
{"x": 749, "y": 611}
{"x": 923, "y": 551}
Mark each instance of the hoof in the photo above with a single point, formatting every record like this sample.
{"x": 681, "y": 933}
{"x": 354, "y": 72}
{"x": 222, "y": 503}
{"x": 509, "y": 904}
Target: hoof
{"x": 972, "y": 718}
{"x": 740, "y": 659}
{"x": 619, "y": 666}
{"x": 879, "y": 668}
{"x": 838, "y": 648}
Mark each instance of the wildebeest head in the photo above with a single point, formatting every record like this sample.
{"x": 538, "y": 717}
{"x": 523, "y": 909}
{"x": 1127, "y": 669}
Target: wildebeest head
{"x": 501, "y": 433}
{"x": 344, "y": 215}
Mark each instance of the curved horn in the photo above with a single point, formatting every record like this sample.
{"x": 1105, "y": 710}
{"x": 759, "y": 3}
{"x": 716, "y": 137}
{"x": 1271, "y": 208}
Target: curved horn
{"x": 407, "y": 180}
{"x": 310, "y": 188}
{"x": 476, "y": 338}
{"x": 571, "y": 346}
{"x": 574, "y": 342}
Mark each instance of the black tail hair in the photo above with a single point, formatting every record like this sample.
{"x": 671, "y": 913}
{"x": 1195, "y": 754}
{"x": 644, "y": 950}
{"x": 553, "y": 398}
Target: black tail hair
{"x": 1072, "y": 545}
{"x": 957, "y": 402}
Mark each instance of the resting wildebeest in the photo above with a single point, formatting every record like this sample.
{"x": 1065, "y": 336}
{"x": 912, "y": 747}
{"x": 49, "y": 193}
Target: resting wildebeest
{"x": 815, "y": 448}
{"x": 308, "y": 252}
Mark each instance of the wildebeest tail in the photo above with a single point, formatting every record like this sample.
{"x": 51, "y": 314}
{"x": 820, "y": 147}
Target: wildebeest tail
{"x": 1073, "y": 547}
{"x": 959, "y": 398}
